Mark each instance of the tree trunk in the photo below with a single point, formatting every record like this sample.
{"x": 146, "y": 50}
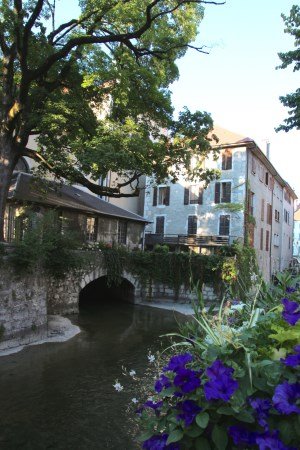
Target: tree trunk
{"x": 8, "y": 160}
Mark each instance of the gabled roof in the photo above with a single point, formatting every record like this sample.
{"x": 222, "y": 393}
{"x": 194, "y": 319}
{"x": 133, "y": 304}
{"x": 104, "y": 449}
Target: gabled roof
{"x": 27, "y": 188}
{"x": 227, "y": 137}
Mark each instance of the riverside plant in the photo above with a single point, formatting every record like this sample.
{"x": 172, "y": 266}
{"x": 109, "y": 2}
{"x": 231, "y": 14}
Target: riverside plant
{"x": 232, "y": 381}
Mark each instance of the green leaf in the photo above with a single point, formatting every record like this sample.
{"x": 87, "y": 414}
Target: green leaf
{"x": 202, "y": 444}
{"x": 245, "y": 416}
{"x": 225, "y": 410}
{"x": 202, "y": 419}
{"x": 175, "y": 436}
{"x": 194, "y": 432}
{"x": 143, "y": 437}
{"x": 219, "y": 437}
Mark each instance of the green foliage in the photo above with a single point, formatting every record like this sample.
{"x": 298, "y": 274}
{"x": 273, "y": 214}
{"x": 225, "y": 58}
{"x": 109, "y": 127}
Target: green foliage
{"x": 292, "y": 57}
{"x": 95, "y": 90}
{"x": 45, "y": 248}
{"x": 238, "y": 344}
{"x": 230, "y": 207}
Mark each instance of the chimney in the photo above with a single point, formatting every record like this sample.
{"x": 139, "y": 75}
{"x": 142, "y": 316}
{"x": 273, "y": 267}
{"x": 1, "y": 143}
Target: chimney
{"x": 268, "y": 150}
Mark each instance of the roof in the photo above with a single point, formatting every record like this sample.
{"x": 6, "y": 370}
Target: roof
{"x": 27, "y": 188}
{"x": 230, "y": 139}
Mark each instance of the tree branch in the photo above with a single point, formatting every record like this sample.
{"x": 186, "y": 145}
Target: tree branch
{"x": 81, "y": 179}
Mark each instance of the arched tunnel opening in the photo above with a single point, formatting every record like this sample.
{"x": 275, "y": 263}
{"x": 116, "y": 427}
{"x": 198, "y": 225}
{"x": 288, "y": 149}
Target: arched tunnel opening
{"x": 97, "y": 293}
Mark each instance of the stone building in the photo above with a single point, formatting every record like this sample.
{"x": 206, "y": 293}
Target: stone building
{"x": 296, "y": 243}
{"x": 250, "y": 202}
{"x": 92, "y": 218}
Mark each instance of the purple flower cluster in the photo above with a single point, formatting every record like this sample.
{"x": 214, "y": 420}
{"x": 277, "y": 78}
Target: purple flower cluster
{"x": 159, "y": 442}
{"x": 162, "y": 383}
{"x": 178, "y": 361}
{"x": 265, "y": 441}
{"x": 261, "y": 407}
{"x": 188, "y": 409}
{"x": 293, "y": 360}
{"x": 286, "y": 398}
{"x": 187, "y": 380}
{"x": 291, "y": 311}
{"x": 221, "y": 385}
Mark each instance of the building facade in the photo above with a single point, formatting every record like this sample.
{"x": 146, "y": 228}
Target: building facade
{"x": 296, "y": 243}
{"x": 250, "y": 202}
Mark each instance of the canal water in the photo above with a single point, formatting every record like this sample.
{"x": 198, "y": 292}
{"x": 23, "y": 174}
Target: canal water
{"x": 60, "y": 396}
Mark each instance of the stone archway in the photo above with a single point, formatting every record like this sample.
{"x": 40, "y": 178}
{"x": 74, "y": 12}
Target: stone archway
{"x": 94, "y": 289}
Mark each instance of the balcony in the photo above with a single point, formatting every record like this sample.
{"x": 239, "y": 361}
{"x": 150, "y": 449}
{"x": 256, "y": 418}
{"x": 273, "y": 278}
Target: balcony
{"x": 193, "y": 240}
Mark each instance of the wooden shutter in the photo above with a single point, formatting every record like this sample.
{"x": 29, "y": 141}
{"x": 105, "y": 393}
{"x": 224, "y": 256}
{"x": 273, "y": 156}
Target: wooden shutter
{"x": 160, "y": 225}
{"x": 224, "y": 225}
{"x": 167, "y": 199}
{"x": 186, "y": 196}
{"x": 262, "y": 212}
{"x": 267, "y": 240}
{"x": 200, "y": 198}
{"x": 155, "y": 196}
{"x": 192, "y": 225}
{"x": 227, "y": 159}
{"x": 217, "y": 192}
{"x": 261, "y": 238}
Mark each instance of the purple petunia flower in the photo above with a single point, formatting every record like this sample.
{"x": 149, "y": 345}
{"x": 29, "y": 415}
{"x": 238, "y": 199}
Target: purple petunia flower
{"x": 178, "y": 361}
{"x": 153, "y": 405}
{"x": 290, "y": 290}
{"x": 188, "y": 410}
{"x": 220, "y": 389}
{"x": 293, "y": 360}
{"x": 242, "y": 436}
{"x": 291, "y": 312}
{"x": 285, "y": 398}
{"x": 271, "y": 441}
{"x": 159, "y": 442}
{"x": 187, "y": 380}
{"x": 162, "y": 383}
{"x": 261, "y": 407}
{"x": 218, "y": 370}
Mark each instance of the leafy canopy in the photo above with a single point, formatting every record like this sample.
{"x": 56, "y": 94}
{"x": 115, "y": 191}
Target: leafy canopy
{"x": 94, "y": 91}
{"x": 292, "y": 101}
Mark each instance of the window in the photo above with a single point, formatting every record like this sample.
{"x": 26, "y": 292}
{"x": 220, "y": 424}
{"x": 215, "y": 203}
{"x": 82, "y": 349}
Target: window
{"x": 261, "y": 239}
{"x": 122, "y": 232}
{"x": 276, "y": 240}
{"x": 192, "y": 224}
{"x": 269, "y": 214}
{"x": 253, "y": 165}
{"x": 287, "y": 197}
{"x": 160, "y": 225}
{"x": 251, "y": 203}
{"x": 261, "y": 173}
{"x": 91, "y": 228}
{"x": 262, "y": 211}
{"x": 193, "y": 195}
{"x": 267, "y": 178}
{"x": 277, "y": 215}
{"x": 227, "y": 159}
{"x": 286, "y": 216}
{"x": 223, "y": 192}
{"x": 224, "y": 225}
{"x": 267, "y": 240}
{"x": 161, "y": 195}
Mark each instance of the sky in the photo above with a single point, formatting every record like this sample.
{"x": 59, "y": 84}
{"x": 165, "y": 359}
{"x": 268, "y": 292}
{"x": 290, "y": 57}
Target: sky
{"x": 238, "y": 82}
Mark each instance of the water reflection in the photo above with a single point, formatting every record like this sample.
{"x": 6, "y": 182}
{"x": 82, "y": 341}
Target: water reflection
{"x": 60, "y": 396}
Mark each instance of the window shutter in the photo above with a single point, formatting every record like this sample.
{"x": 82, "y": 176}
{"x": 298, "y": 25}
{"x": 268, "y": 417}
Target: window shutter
{"x": 186, "y": 196}
{"x": 262, "y": 212}
{"x": 200, "y": 198}
{"x": 224, "y": 225}
{"x": 167, "y": 200}
{"x": 160, "y": 225}
{"x": 155, "y": 196}
{"x": 217, "y": 192}
{"x": 226, "y": 193}
{"x": 192, "y": 225}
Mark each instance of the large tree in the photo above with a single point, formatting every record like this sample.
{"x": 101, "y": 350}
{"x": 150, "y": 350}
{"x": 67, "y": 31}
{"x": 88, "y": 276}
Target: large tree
{"x": 292, "y": 101}
{"x": 94, "y": 91}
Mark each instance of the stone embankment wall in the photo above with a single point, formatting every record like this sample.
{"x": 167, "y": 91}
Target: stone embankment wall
{"x": 23, "y": 309}
{"x": 159, "y": 292}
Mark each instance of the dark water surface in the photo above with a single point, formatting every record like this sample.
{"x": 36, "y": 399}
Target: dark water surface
{"x": 60, "y": 396}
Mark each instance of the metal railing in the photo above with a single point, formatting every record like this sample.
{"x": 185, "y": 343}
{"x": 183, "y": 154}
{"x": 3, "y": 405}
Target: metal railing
{"x": 193, "y": 240}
